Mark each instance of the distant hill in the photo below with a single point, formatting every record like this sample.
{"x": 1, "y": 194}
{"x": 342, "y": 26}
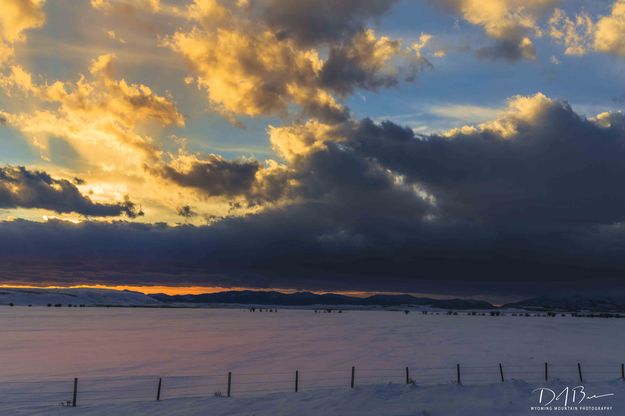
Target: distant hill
{"x": 573, "y": 303}
{"x": 64, "y": 297}
{"x": 250, "y": 297}
{"x": 109, "y": 297}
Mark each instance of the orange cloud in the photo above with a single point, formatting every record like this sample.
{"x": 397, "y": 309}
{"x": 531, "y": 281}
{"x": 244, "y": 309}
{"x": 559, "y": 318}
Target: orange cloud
{"x": 16, "y": 17}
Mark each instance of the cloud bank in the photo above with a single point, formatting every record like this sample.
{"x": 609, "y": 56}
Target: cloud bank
{"x": 526, "y": 203}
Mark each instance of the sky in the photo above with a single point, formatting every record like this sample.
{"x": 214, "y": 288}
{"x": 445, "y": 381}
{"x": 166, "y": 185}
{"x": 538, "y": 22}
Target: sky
{"x": 452, "y": 148}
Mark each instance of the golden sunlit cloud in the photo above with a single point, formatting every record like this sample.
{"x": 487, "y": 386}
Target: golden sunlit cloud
{"x": 581, "y": 33}
{"x": 16, "y": 17}
{"x": 248, "y": 68}
{"x": 101, "y": 112}
{"x": 521, "y": 110}
{"x": 104, "y": 122}
{"x": 511, "y": 22}
{"x": 610, "y": 31}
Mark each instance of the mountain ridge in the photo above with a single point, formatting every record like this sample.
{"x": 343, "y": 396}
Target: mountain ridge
{"x": 251, "y": 297}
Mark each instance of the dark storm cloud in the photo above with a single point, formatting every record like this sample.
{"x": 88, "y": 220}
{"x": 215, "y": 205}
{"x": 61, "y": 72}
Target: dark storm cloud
{"x": 297, "y": 249}
{"x": 214, "y": 176}
{"x": 310, "y": 22}
{"x": 23, "y": 188}
{"x": 371, "y": 63}
{"x": 343, "y": 72}
{"x": 348, "y": 189}
{"x": 558, "y": 168}
{"x": 526, "y": 205}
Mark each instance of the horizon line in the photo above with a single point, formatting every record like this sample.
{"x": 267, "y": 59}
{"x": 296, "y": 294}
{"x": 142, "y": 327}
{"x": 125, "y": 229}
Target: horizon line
{"x": 201, "y": 290}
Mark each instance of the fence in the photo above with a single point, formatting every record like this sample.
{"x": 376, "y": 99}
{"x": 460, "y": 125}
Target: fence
{"x": 90, "y": 390}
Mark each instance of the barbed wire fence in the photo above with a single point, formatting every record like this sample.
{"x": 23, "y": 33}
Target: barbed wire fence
{"x": 94, "y": 390}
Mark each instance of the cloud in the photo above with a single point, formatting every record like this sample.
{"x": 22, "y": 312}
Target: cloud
{"x": 253, "y": 73}
{"x": 526, "y": 196}
{"x": 522, "y": 204}
{"x": 576, "y": 34}
{"x": 296, "y": 249}
{"x": 215, "y": 176}
{"x": 610, "y": 31}
{"x": 371, "y": 63}
{"x": 312, "y": 22}
{"x": 17, "y": 17}
{"x": 263, "y": 58}
{"x": 100, "y": 127}
{"x": 512, "y": 23}
{"x": 582, "y": 34}
{"x": 98, "y": 116}
{"x": 24, "y": 188}
{"x": 539, "y": 163}
{"x": 112, "y": 5}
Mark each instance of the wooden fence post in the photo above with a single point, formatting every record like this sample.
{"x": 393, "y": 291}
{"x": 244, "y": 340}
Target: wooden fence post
{"x": 296, "y": 381}
{"x": 353, "y": 375}
{"x": 75, "y": 392}
{"x": 229, "y": 382}
{"x": 546, "y": 372}
{"x": 501, "y": 372}
{"x": 407, "y": 375}
{"x": 579, "y": 370}
{"x": 458, "y": 373}
{"x": 158, "y": 391}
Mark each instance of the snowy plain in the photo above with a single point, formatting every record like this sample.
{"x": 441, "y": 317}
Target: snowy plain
{"x": 118, "y": 354}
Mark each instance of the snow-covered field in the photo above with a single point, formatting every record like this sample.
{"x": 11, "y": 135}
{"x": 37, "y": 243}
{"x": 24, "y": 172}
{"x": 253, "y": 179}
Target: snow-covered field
{"x": 512, "y": 398}
{"x": 118, "y": 354}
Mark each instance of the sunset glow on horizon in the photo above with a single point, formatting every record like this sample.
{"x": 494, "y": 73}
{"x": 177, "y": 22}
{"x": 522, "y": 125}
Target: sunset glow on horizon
{"x": 181, "y": 290}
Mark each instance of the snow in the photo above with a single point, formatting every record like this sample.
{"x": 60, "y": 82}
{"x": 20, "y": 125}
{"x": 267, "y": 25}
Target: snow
{"x": 74, "y": 297}
{"x": 118, "y": 354}
{"x": 513, "y": 398}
